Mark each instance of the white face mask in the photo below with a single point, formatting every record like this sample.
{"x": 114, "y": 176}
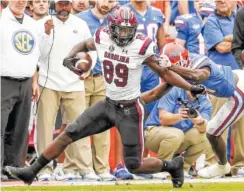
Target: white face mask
{"x": 182, "y": 62}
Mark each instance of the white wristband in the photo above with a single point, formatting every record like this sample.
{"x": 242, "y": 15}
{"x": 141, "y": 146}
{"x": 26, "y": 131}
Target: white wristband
{"x": 81, "y": 61}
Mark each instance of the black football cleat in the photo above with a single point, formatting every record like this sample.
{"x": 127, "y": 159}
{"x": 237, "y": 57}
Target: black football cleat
{"x": 177, "y": 173}
{"x": 24, "y": 174}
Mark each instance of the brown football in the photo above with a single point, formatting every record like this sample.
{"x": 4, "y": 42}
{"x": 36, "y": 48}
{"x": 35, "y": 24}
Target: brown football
{"x": 84, "y": 62}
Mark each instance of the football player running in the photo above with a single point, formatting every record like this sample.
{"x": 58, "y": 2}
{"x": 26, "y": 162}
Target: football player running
{"x": 220, "y": 81}
{"x": 121, "y": 53}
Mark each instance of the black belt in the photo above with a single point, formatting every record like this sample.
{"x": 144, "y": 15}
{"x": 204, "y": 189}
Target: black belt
{"x": 97, "y": 74}
{"x": 122, "y": 103}
{"x": 15, "y": 79}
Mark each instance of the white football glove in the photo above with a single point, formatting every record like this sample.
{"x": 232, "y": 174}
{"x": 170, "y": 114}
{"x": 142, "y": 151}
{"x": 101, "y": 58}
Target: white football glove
{"x": 164, "y": 61}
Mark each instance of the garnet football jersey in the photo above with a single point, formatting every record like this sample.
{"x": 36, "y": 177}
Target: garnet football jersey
{"x": 122, "y": 66}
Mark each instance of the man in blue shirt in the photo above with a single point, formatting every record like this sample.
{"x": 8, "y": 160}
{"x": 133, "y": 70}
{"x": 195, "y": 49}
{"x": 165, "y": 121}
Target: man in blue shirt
{"x": 95, "y": 91}
{"x": 150, "y": 23}
{"x": 218, "y": 34}
{"x": 170, "y": 130}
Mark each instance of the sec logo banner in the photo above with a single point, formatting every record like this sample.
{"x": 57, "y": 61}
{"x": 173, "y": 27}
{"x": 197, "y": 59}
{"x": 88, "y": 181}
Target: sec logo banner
{"x": 23, "y": 42}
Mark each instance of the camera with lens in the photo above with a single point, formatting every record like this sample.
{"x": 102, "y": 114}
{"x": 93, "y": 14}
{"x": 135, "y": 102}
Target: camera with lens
{"x": 192, "y": 111}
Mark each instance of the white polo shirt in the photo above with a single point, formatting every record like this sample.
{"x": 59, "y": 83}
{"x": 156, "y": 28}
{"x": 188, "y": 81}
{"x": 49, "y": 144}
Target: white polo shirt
{"x": 66, "y": 35}
{"x": 19, "y": 49}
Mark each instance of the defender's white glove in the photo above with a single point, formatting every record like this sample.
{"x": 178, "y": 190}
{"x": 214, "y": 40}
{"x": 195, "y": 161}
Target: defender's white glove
{"x": 164, "y": 61}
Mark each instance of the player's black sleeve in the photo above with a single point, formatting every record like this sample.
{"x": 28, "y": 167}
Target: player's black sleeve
{"x": 238, "y": 37}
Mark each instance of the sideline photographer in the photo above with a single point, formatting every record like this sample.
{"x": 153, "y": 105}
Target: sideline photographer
{"x": 189, "y": 111}
{"x": 177, "y": 124}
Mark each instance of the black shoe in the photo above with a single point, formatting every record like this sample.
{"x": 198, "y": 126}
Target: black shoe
{"x": 24, "y": 174}
{"x": 177, "y": 173}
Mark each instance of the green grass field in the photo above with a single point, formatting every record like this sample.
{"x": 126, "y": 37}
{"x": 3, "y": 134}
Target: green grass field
{"x": 133, "y": 187}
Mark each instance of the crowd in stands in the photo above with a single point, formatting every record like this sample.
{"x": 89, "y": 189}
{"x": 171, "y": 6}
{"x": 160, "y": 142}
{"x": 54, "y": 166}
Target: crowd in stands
{"x": 39, "y": 94}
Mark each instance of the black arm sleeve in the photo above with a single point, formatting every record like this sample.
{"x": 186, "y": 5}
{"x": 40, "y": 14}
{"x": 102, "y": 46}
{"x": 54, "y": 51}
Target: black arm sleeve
{"x": 238, "y": 37}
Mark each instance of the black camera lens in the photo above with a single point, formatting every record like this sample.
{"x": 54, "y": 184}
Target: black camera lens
{"x": 192, "y": 113}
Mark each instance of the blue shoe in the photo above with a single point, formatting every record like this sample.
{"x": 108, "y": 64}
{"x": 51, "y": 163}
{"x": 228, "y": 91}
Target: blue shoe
{"x": 122, "y": 173}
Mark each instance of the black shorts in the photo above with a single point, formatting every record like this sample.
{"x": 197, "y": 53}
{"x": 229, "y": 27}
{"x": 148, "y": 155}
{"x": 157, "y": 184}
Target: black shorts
{"x": 127, "y": 116}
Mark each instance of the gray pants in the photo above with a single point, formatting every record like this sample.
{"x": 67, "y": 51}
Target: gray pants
{"x": 15, "y": 114}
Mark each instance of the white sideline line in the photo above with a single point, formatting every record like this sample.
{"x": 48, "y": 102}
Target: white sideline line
{"x": 130, "y": 182}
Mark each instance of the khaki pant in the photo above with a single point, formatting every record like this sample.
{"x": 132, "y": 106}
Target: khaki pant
{"x": 168, "y": 141}
{"x": 98, "y": 155}
{"x": 74, "y": 104}
{"x": 237, "y": 132}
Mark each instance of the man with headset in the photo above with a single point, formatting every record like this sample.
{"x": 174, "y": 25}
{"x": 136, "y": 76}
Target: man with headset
{"x": 59, "y": 85}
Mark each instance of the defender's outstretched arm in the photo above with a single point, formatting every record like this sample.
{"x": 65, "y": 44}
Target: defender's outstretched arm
{"x": 197, "y": 75}
{"x": 171, "y": 77}
{"x": 168, "y": 75}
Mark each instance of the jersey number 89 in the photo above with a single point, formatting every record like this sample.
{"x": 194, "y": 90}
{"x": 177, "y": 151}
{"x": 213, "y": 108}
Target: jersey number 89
{"x": 117, "y": 74}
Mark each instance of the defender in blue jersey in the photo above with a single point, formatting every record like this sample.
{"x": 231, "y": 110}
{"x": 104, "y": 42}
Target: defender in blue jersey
{"x": 220, "y": 81}
{"x": 150, "y": 23}
{"x": 189, "y": 28}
